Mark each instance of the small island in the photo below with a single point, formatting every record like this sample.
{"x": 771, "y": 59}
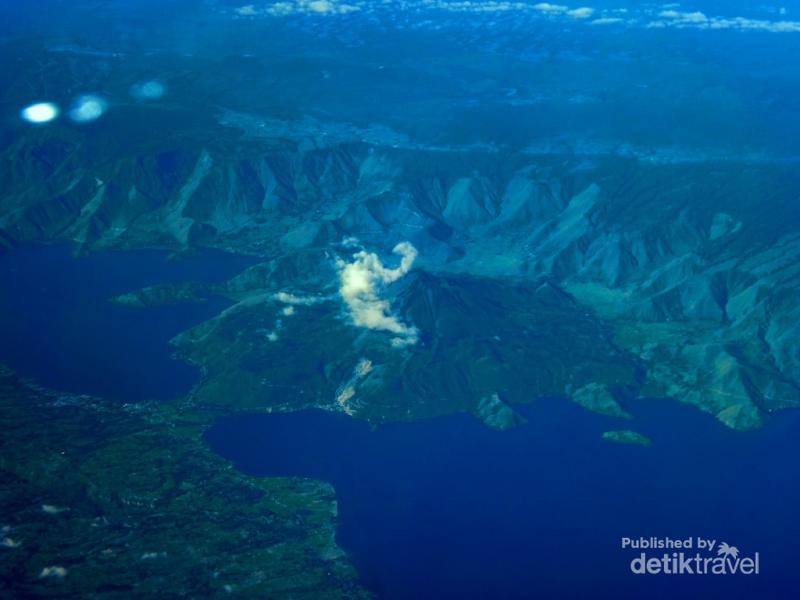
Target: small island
{"x": 627, "y": 436}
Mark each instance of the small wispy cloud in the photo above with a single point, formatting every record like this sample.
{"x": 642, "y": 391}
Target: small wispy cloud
{"x": 361, "y": 282}
{"x": 293, "y": 299}
{"x": 294, "y": 7}
{"x": 581, "y": 13}
{"x": 547, "y": 7}
{"x": 698, "y": 20}
{"x": 607, "y": 21}
{"x": 684, "y": 17}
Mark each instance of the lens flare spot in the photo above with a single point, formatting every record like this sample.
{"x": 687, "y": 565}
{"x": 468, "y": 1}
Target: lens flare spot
{"x": 88, "y": 108}
{"x": 41, "y": 112}
{"x": 148, "y": 90}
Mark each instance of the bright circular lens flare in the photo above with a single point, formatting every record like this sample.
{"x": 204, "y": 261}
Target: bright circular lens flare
{"x": 41, "y": 112}
{"x": 87, "y": 109}
{"x": 149, "y": 90}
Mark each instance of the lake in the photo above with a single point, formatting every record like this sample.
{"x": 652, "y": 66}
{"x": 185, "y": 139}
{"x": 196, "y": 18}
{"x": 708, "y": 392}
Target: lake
{"x": 447, "y": 508}
{"x": 58, "y": 326}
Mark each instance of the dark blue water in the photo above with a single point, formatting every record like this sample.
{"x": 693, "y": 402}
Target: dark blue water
{"x": 449, "y": 509}
{"x": 57, "y": 325}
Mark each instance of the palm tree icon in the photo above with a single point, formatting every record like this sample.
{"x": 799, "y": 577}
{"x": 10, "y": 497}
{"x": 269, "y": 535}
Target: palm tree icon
{"x": 727, "y": 551}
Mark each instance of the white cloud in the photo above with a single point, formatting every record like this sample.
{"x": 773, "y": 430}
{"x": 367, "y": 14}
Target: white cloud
{"x": 550, "y": 8}
{"x": 315, "y": 7}
{"x": 684, "y": 17}
{"x": 320, "y": 6}
{"x": 360, "y": 284}
{"x": 292, "y": 300}
{"x": 607, "y": 21}
{"x": 581, "y": 13}
{"x": 289, "y": 298}
{"x": 247, "y": 11}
